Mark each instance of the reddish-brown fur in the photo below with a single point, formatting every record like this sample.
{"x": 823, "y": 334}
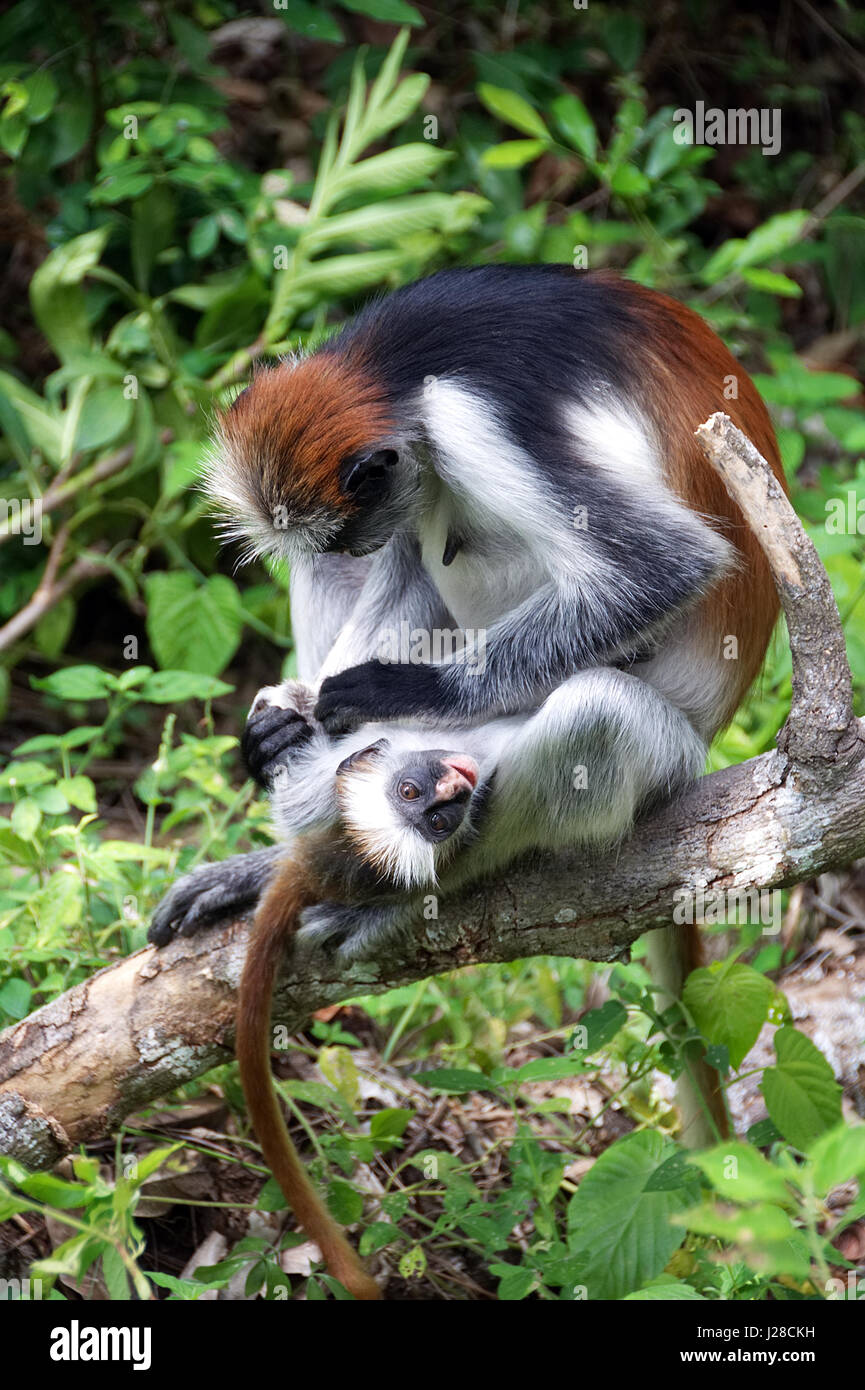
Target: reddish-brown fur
{"x": 686, "y": 373}
{"x": 298, "y": 422}
{"x": 292, "y": 888}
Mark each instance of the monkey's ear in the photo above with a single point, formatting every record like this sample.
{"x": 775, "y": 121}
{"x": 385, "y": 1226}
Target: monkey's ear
{"x": 364, "y": 759}
{"x": 363, "y": 477}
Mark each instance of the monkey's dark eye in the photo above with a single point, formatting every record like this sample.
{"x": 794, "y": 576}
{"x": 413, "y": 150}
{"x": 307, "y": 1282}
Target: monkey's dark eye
{"x": 437, "y": 822}
{"x": 409, "y": 791}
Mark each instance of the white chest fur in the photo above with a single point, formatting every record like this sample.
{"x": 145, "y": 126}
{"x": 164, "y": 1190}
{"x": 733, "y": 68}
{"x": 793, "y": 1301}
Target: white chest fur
{"x": 488, "y": 576}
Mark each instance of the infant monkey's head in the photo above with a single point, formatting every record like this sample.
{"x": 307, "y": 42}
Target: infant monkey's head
{"x": 403, "y": 810}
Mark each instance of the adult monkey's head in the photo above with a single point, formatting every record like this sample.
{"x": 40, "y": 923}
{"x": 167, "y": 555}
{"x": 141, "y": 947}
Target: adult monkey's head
{"x": 310, "y": 459}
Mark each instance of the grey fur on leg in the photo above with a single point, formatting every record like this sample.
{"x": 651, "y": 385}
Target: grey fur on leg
{"x": 352, "y": 931}
{"x": 324, "y": 591}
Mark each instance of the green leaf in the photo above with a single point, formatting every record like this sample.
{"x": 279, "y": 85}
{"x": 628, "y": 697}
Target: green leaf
{"x": 310, "y": 19}
{"x": 550, "y": 1068}
{"x": 185, "y": 1290}
{"x": 317, "y": 1093}
{"x": 14, "y": 129}
{"x": 41, "y": 90}
{"x": 763, "y": 1134}
{"x": 513, "y": 109}
{"x": 388, "y": 11}
{"x": 193, "y": 627}
{"x": 515, "y": 1281}
{"x": 15, "y": 998}
{"x": 51, "y": 801}
{"x": 620, "y": 1229}
{"x": 729, "y": 1005}
{"x": 764, "y": 1232}
{"x": 770, "y": 282}
{"x": 38, "y": 418}
{"x": 105, "y": 415}
{"x": 152, "y": 230}
{"x": 513, "y": 154}
{"x": 69, "y": 263}
{"x": 780, "y": 232}
{"x": 28, "y": 773}
{"x": 75, "y": 683}
{"x": 391, "y": 171}
{"x": 455, "y": 1080}
{"x": 26, "y": 818}
{"x": 385, "y": 222}
{"x": 233, "y": 225}
{"x": 128, "y": 182}
{"x": 56, "y": 294}
{"x": 600, "y": 1026}
{"x": 176, "y": 687}
{"x": 629, "y": 182}
{"x": 624, "y": 37}
{"x": 774, "y": 236}
{"x": 413, "y": 1263}
{"x": 379, "y": 1235}
{"x": 801, "y": 1093}
{"x": 203, "y": 237}
{"x": 396, "y": 109}
{"x": 115, "y": 1275}
{"x": 575, "y": 123}
{"x": 389, "y": 1125}
{"x": 56, "y": 1192}
{"x": 341, "y": 275}
{"x": 344, "y": 1202}
{"x": 665, "y": 1290}
{"x": 741, "y": 1174}
{"x": 52, "y": 632}
{"x": 79, "y": 791}
{"x": 675, "y": 1172}
{"x": 85, "y": 733}
{"x": 337, "y": 1066}
{"x": 838, "y": 1156}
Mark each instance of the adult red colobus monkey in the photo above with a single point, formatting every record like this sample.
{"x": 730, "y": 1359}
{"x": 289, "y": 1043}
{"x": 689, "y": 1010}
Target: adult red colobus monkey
{"x": 406, "y": 829}
{"x": 507, "y": 449}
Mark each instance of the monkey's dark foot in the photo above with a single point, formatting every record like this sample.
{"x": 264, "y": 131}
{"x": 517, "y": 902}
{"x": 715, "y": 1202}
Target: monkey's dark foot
{"x": 350, "y": 932}
{"x": 215, "y": 892}
{"x": 271, "y": 737}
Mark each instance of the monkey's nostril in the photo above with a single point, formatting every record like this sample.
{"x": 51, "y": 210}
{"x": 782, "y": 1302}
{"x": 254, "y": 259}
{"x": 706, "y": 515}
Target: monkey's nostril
{"x": 465, "y": 767}
{"x": 454, "y": 786}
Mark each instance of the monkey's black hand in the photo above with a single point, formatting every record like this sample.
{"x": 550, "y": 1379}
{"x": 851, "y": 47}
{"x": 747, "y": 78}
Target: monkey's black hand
{"x": 379, "y": 690}
{"x": 271, "y": 737}
{"x": 211, "y": 893}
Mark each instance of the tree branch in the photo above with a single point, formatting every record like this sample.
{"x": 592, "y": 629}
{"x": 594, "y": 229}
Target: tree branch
{"x": 72, "y": 1071}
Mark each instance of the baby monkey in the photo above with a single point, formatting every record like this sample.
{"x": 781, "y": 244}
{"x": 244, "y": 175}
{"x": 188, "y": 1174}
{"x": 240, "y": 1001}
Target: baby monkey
{"x": 397, "y": 820}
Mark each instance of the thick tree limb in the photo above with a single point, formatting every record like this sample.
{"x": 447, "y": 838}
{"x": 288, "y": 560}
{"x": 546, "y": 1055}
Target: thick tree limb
{"x": 75, "y": 1068}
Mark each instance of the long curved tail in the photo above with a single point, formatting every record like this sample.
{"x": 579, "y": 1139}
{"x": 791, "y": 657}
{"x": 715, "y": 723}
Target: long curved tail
{"x": 276, "y": 921}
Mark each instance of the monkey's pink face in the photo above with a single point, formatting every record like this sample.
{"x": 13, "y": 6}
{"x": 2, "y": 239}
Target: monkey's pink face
{"x": 301, "y": 460}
